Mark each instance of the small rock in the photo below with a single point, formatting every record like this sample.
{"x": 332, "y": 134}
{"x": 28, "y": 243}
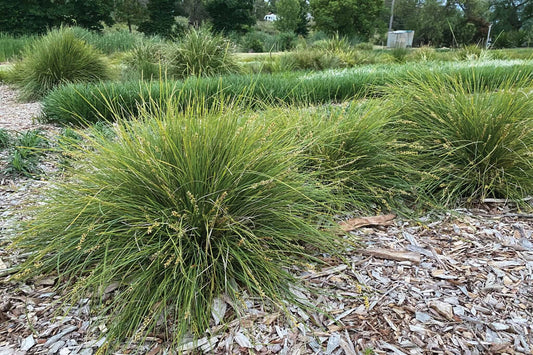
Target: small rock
{"x": 459, "y": 310}
{"x": 100, "y": 342}
{"x": 60, "y": 335}
{"x": 219, "y": 310}
{"x": 64, "y": 351}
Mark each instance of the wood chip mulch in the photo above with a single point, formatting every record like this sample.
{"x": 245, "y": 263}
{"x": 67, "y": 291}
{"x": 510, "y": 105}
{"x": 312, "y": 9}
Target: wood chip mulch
{"x": 457, "y": 283}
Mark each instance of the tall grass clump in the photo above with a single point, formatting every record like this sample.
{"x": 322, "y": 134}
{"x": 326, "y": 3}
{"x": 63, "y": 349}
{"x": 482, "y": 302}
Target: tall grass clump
{"x": 201, "y": 53}
{"x": 11, "y": 46}
{"x": 146, "y": 60}
{"x": 181, "y": 206}
{"x": 69, "y": 103}
{"x": 468, "y": 142}
{"x": 354, "y": 151}
{"x": 110, "y": 41}
{"x": 58, "y": 57}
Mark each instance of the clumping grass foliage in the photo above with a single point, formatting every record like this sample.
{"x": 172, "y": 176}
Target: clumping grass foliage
{"x": 178, "y": 208}
{"x": 57, "y": 58}
{"x": 5, "y": 138}
{"x": 24, "y": 156}
{"x": 201, "y": 53}
{"x": 352, "y": 150}
{"x": 468, "y": 142}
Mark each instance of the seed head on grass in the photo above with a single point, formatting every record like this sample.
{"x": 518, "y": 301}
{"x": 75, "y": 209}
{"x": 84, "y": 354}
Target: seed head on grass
{"x": 201, "y": 53}
{"x": 351, "y": 149}
{"x": 180, "y": 207}
{"x": 470, "y": 142}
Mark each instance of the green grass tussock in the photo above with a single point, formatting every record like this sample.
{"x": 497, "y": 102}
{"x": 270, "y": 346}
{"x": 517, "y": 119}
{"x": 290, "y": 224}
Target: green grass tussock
{"x": 469, "y": 143}
{"x": 201, "y": 53}
{"x": 57, "y": 58}
{"x": 89, "y": 101}
{"x": 353, "y": 151}
{"x": 180, "y": 207}
{"x": 11, "y": 46}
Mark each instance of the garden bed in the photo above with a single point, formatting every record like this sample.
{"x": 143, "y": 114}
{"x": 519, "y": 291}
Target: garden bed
{"x": 454, "y": 282}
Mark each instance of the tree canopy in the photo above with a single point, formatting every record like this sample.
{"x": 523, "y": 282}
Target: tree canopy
{"x": 346, "y": 17}
{"x": 231, "y": 15}
{"x": 36, "y": 16}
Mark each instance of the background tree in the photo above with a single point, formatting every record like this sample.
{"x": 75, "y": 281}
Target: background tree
{"x": 131, "y": 12}
{"x": 346, "y": 17}
{"x": 160, "y": 18}
{"x": 231, "y": 15}
{"x": 86, "y": 14}
{"x": 512, "y": 22}
{"x": 261, "y": 8}
{"x": 288, "y": 12}
{"x": 36, "y": 16}
{"x": 194, "y": 10}
{"x": 302, "y": 28}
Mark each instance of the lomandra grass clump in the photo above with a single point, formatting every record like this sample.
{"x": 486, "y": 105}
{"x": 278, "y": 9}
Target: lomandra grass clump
{"x": 179, "y": 208}
{"x": 201, "y": 53}
{"x": 353, "y": 150}
{"x": 468, "y": 143}
{"x": 57, "y": 58}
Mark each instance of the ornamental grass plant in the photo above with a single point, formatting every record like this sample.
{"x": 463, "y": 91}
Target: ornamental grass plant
{"x": 180, "y": 207}
{"x": 201, "y": 53}
{"x": 353, "y": 150}
{"x": 470, "y": 143}
{"x": 57, "y": 58}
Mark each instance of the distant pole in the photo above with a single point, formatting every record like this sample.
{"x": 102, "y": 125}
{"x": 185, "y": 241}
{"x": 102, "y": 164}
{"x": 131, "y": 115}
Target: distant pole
{"x": 391, "y": 15}
{"x": 487, "y": 45}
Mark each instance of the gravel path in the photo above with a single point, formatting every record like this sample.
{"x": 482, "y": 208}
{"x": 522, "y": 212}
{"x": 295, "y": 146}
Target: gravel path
{"x": 461, "y": 283}
{"x": 17, "y": 116}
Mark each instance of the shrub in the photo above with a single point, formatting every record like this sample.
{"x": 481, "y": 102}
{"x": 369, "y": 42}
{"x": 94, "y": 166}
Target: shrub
{"x": 201, "y": 53}
{"x": 399, "y": 54}
{"x": 312, "y": 59}
{"x": 57, "y": 58}
{"x": 423, "y": 54}
{"x": 181, "y": 207}
{"x": 254, "y": 42}
{"x": 472, "y": 52}
{"x": 469, "y": 143}
{"x": 337, "y": 43}
{"x": 364, "y": 46}
{"x": 285, "y": 41}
